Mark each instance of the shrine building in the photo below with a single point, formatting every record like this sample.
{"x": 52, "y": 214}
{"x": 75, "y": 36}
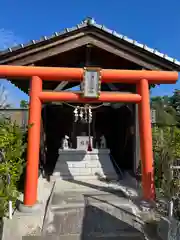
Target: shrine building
{"x": 89, "y": 103}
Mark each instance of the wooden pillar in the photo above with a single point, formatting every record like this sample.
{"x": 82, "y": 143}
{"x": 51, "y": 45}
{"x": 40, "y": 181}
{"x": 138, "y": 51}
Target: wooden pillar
{"x": 145, "y": 131}
{"x": 31, "y": 184}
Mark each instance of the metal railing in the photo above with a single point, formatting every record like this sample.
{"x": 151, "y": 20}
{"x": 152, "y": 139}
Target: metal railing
{"x": 117, "y": 168}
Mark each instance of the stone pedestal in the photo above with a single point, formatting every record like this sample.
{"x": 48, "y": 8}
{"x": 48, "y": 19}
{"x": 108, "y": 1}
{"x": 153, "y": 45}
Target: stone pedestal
{"x": 83, "y": 142}
{"x": 81, "y": 164}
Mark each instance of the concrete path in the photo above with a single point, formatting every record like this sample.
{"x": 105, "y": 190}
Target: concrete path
{"x": 28, "y": 224}
{"x": 81, "y": 210}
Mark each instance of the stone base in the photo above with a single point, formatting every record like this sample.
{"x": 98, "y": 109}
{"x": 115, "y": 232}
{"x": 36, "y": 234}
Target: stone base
{"x": 92, "y": 216}
{"x": 168, "y": 229}
{"x": 24, "y": 227}
{"x": 29, "y": 209}
{"x": 81, "y": 164}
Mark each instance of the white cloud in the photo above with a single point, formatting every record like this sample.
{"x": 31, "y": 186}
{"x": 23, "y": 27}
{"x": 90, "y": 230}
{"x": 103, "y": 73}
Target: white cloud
{"x": 8, "y": 39}
{"x": 3, "y": 96}
{"x": 12, "y": 94}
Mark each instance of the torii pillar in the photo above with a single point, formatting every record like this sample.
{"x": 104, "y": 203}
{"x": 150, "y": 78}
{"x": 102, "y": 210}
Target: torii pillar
{"x": 145, "y": 133}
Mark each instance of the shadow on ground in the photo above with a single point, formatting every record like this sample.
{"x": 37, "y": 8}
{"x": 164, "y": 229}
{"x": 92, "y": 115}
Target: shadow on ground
{"x": 98, "y": 223}
{"x": 93, "y": 222}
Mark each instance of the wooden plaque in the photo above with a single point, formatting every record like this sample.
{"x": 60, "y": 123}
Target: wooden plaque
{"x": 91, "y": 83}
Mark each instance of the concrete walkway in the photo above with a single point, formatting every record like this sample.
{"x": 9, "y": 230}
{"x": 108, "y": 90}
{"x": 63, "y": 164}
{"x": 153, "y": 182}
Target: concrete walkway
{"x": 81, "y": 210}
{"x": 95, "y": 209}
{"x": 28, "y": 224}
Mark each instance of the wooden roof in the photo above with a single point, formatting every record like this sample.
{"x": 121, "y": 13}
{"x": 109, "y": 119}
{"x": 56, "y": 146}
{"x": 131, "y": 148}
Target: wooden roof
{"x": 87, "y": 33}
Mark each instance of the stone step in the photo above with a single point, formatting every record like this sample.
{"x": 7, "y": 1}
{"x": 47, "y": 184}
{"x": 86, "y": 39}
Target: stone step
{"x": 77, "y": 164}
{"x": 85, "y": 170}
{"x": 79, "y": 178}
{"x": 73, "y": 185}
{"x": 91, "y": 186}
{"x": 121, "y": 236}
{"x": 63, "y": 199}
{"x": 92, "y": 209}
{"x": 59, "y": 176}
{"x": 93, "y": 222}
{"x": 95, "y": 216}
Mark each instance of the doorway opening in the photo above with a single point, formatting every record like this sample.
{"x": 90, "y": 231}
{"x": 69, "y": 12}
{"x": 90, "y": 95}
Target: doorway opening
{"x": 115, "y": 123}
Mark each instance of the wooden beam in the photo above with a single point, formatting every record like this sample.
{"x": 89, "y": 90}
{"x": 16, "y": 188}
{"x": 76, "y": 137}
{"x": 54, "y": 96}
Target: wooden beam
{"x": 113, "y": 87}
{"x": 149, "y": 58}
{"x": 60, "y": 86}
{"x": 76, "y": 74}
{"x": 74, "y": 42}
{"x": 77, "y": 97}
{"x": 28, "y": 56}
{"x": 58, "y": 89}
{"x": 122, "y": 53}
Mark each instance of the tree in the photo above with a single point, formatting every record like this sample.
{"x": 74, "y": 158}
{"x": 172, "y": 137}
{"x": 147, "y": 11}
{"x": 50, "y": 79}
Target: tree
{"x": 166, "y": 153}
{"x": 175, "y": 103}
{"x": 165, "y": 112}
{"x": 24, "y": 104}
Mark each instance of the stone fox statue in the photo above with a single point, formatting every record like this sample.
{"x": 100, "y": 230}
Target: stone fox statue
{"x": 65, "y": 142}
{"x": 102, "y": 142}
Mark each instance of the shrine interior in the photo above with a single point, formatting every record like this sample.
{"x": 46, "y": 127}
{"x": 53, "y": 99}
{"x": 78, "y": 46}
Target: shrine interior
{"x": 114, "y": 121}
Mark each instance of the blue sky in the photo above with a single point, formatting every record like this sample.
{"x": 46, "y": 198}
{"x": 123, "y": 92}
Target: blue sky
{"x": 154, "y": 23}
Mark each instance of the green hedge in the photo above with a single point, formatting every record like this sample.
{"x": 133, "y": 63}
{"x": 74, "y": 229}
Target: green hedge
{"x": 13, "y": 146}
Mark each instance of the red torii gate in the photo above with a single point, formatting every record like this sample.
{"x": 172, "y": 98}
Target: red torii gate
{"x": 142, "y": 79}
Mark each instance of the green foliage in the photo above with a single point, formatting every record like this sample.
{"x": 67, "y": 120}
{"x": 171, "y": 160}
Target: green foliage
{"x": 152, "y": 86}
{"x": 24, "y": 104}
{"x": 168, "y": 108}
{"x": 12, "y": 145}
{"x": 175, "y": 103}
{"x": 166, "y": 147}
{"x": 165, "y": 113}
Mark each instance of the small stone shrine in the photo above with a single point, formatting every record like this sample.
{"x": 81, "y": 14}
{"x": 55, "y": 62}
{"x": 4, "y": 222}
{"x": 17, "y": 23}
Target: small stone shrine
{"x": 84, "y": 161}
